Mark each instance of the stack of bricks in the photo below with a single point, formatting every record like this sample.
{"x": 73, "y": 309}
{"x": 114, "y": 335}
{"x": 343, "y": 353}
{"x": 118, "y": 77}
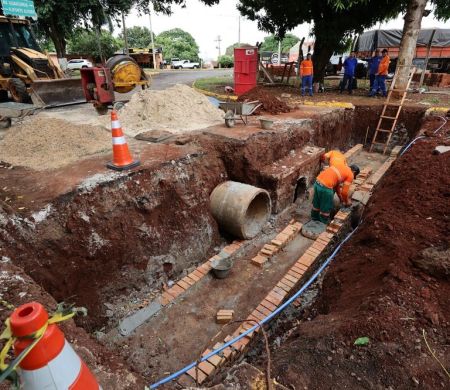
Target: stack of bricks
{"x": 375, "y": 178}
{"x": 353, "y": 151}
{"x": 224, "y": 316}
{"x": 277, "y": 244}
{"x": 202, "y": 270}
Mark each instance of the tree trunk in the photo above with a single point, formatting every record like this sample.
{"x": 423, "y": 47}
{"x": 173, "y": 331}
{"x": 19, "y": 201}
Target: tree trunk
{"x": 60, "y": 44}
{"x": 411, "y": 28}
{"x": 323, "y": 50}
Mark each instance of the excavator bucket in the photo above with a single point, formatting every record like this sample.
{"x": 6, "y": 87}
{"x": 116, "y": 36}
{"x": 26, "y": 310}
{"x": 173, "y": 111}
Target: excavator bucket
{"x": 60, "y": 92}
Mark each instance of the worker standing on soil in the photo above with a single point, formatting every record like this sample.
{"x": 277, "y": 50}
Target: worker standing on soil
{"x": 373, "y": 67}
{"x": 334, "y": 157}
{"x": 337, "y": 179}
{"x": 307, "y": 72}
{"x": 349, "y": 72}
{"x": 380, "y": 79}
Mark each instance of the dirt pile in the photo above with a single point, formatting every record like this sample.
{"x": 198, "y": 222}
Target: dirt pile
{"x": 374, "y": 289}
{"x": 46, "y": 143}
{"x": 269, "y": 99}
{"x": 177, "y": 109}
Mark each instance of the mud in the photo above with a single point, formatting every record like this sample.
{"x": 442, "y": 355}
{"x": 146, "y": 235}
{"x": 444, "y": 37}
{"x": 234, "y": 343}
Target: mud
{"x": 375, "y": 289}
{"x": 269, "y": 99}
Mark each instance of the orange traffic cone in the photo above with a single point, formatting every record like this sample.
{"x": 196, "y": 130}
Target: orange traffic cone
{"x": 52, "y": 363}
{"x": 122, "y": 159}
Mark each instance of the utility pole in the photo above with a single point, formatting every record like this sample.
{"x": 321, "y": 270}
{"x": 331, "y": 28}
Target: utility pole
{"x": 239, "y": 30}
{"x": 218, "y": 40}
{"x": 151, "y": 37}
{"x": 125, "y": 38}
{"x": 279, "y": 52}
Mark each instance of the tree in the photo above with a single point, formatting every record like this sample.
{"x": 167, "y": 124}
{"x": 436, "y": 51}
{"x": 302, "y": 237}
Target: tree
{"x": 226, "y": 61}
{"x": 230, "y": 49}
{"x": 138, "y": 37}
{"x": 85, "y": 42}
{"x": 177, "y": 43}
{"x": 333, "y": 24}
{"x": 270, "y": 43}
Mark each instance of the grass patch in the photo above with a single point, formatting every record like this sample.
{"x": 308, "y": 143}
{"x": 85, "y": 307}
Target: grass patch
{"x": 214, "y": 84}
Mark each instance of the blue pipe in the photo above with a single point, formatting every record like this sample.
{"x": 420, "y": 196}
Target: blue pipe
{"x": 253, "y": 328}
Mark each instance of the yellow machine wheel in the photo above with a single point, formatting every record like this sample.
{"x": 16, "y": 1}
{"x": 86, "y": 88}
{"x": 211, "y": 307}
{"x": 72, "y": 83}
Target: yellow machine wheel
{"x": 125, "y": 73}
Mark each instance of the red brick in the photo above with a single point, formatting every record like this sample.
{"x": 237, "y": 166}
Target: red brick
{"x": 272, "y": 299}
{"x": 199, "y": 274}
{"x": 291, "y": 278}
{"x": 298, "y": 226}
{"x": 277, "y": 243}
{"x": 269, "y": 247}
{"x": 264, "y": 310}
{"x": 299, "y": 271}
{"x": 284, "y": 286}
{"x": 258, "y": 315}
{"x": 215, "y": 360}
{"x": 201, "y": 270}
{"x": 229, "y": 249}
{"x": 234, "y": 247}
{"x": 197, "y": 375}
{"x": 185, "y": 381}
{"x": 206, "y": 367}
{"x": 241, "y": 344}
{"x": 183, "y": 284}
{"x": 194, "y": 276}
{"x": 188, "y": 280}
{"x": 266, "y": 252}
{"x": 287, "y": 282}
{"x": 165, "y": 299}
{"x": 276, "y": 295}
{"x": 259, "y": 260}
{"x": 268, "y": 305}
{"x": 318, "y": 246}
{"x": 302, "y": 267}
{"x": 293, "y": 274}
{"x": 307, "y": 260}
{"x": 175, "y": 290}
{"x": 313, "y": 250}
{"x": 206, "y": 266}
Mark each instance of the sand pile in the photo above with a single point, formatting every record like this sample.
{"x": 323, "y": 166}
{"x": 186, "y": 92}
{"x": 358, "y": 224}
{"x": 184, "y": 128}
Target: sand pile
{"x": 177, "y": 109}
{"x": 46, "y": 143}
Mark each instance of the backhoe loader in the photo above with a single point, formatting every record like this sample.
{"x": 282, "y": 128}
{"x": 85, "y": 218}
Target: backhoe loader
{"x": 28, "y": 74}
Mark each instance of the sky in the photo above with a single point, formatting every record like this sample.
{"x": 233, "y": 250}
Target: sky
{"x": 205, "y": 24}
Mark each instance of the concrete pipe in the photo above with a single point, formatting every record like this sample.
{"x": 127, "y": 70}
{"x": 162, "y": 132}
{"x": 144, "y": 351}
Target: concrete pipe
{"x": 240, "y": 209}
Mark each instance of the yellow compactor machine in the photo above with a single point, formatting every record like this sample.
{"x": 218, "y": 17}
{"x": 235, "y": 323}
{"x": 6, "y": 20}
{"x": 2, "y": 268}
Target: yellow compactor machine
{"x": 27, "y": 73}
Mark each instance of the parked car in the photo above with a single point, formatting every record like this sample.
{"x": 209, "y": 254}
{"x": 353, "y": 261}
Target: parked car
{"x": 185, "y": 64}
{"x": 78, "y": 63}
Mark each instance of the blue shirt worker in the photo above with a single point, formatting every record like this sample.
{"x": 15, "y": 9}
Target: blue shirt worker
{"x": 373, "y": 67}
{"x": 349, "y": 72}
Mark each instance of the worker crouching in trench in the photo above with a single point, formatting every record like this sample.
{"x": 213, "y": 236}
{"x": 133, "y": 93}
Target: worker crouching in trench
{"x": 338, "y": 177}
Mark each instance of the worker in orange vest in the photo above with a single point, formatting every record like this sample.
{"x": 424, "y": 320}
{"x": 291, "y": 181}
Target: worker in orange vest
{"x": 337, "y": 178}
{"x": 307, "y": 72}
{"x": 334, "y": 157}
{"x": 380, "y": 76}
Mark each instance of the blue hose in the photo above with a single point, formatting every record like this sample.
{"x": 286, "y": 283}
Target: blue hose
{"x": 253, "y": 328}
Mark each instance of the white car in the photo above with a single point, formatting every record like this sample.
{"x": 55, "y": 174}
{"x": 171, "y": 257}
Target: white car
{"x": 78, "y": 64}
{"x": 185, "y": 64}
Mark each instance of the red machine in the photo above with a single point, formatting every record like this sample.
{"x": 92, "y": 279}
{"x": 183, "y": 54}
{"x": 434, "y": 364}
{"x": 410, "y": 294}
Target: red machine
{"x": 98, "y": 88}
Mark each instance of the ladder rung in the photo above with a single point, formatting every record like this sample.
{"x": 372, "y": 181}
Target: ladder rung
{"x": 388, "y": 117}
{"x": 399, "y": 90}
{"x": 392, "y": 104}
{"x": 378, "y": 143}
{"x": 384, "y": 131}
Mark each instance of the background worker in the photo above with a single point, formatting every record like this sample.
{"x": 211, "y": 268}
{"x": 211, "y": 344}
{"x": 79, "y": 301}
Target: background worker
{"x": 349, "y": 72}
{"x": 373, "y": 67}
{"x": 307, "y": 72}
{"x": 334, "y": 157}
{"x": 333, "y": 179}
{"x": 380, "y": 77}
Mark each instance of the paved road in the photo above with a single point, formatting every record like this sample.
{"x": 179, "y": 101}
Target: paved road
{"x": 171, "y": 77}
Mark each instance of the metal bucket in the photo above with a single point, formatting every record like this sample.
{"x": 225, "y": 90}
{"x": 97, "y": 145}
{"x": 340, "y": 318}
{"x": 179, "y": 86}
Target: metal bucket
{"x": 221, "y": 268}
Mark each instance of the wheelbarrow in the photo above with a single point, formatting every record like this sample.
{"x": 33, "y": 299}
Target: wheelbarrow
{"x": 10, "y": 110}
{"x": 235, "y": 111}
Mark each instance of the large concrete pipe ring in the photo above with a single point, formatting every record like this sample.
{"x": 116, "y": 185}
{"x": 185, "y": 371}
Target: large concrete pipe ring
{"x": 240, "y": 209}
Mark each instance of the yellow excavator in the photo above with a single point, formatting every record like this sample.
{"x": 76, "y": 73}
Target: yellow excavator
{"x": 28, "y": 74}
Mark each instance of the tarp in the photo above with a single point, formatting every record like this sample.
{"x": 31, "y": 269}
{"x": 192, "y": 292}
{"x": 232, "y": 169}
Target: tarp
{"x": 374, "y": 39}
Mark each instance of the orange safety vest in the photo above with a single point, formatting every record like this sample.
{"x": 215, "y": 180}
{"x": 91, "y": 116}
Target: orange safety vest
{"x": 334, "y": 176}
{"x": 306, "y": 68}
{"x": 384, "y": 66}
{"x": 335, "y": 157}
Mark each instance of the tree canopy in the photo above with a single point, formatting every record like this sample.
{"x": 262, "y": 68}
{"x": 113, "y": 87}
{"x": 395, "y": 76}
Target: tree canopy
{"x": 270, "y": 43}
{"x": 85, "y": 42}
{"x": 177, "y": 43}
{"x": 230, "y": 49}
{"x": 138, "y": 37}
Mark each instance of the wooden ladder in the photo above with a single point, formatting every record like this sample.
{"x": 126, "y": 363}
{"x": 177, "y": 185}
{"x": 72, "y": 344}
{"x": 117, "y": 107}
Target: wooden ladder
{"x": 388, "y": 103}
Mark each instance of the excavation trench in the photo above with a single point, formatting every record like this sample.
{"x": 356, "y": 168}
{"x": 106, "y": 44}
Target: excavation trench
{"x": 113, "y": 242}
